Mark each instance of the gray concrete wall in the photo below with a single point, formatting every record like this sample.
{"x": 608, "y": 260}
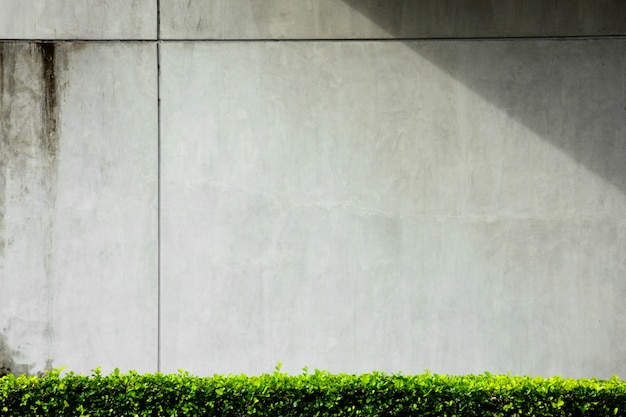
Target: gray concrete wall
{"x": 366, "y": 199}
{"x": 78, "y": 205}
{"x": 85, "y": 19}
{"x": 367, "y": 19}
{"x": 445, "y": 205}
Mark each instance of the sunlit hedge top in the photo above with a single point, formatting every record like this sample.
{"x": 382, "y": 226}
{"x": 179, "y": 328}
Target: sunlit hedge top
{"x": 310, "y": 394}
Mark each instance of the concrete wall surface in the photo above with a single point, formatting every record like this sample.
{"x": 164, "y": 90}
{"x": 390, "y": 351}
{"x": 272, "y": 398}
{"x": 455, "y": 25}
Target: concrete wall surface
{"x": 398, "y": 206}
{"x": 373, "y": 191}
{"x": 78, "y": 206}
{"x": 84, "y": 19}
{"x": 367, "y": 19}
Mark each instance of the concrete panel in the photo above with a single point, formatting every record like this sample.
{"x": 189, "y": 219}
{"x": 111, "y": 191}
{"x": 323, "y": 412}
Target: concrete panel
{"x": 78, "y": 192}
{"x": 85, "y": 19}
{"x": 457, "y": 206}
{"x": 366, "y": 19}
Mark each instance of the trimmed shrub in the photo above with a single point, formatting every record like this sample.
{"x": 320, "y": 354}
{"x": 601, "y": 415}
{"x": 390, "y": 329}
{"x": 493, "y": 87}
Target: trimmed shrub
{"x": 318, "y": 394}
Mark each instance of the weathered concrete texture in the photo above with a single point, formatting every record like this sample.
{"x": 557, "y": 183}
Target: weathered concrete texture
{"x": 457, "y": 206}
{"x": 85, "y": 19}
{"x": 78, "y": 197}
{"x": 28, "y": 190}
{"x": 340, "y": 19}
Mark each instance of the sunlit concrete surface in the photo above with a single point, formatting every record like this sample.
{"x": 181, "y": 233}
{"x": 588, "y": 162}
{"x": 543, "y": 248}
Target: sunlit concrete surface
{"x": 83, "y": 19}
{"x": 78, "y": 206}
{"x": 367, "y": 19}
{"x": 456, "y": 206}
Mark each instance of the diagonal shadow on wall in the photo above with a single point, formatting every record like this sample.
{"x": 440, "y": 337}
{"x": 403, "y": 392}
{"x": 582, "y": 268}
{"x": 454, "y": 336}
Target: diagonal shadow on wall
{"x": 571, "y": 95}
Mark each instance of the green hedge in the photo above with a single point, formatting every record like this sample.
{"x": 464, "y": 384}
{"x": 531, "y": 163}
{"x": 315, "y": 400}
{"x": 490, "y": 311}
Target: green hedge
{"x": 310, "y": 394}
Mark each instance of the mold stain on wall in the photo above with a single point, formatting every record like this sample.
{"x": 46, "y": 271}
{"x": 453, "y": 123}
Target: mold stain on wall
{"x": 50, "y": 112}
{"x": 29, "y": 146}
{"x": 8, "y": 362}
{"x": 49, "y": 146}
{"x": 5, "y": 90}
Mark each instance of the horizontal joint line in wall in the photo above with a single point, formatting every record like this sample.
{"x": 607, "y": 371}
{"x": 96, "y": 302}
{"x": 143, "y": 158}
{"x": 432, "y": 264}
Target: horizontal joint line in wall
{"x": 397, "y": 39}
{"x": 78, "y": 40}
{"x": 260, "y": 40}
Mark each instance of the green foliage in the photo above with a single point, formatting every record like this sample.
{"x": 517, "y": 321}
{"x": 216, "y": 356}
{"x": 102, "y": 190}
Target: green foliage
{"x": 317, "y": 394}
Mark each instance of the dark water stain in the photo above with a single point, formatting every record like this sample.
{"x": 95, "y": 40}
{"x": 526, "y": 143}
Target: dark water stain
{"x": 49, "y": 140}
{"x": 4, "y": 120}
{"x": 8, "y": 362}
{"x": 50, "y": 108}
{"x": 49, "y": 146}
{"x": 8, "y": 64}
{"x": 2, "y": 176}
{"x": 29, "y": 147}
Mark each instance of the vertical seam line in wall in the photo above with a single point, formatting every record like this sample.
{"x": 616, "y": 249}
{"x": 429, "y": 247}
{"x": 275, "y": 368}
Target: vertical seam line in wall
{"x": 158, "y": 56}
